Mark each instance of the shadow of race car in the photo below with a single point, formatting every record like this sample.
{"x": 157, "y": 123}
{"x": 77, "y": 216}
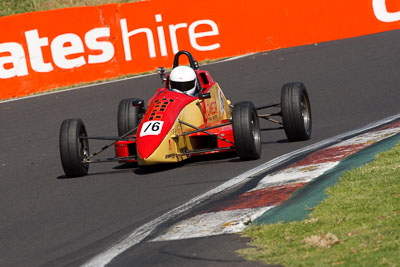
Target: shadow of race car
{"x": 175, "y": 126}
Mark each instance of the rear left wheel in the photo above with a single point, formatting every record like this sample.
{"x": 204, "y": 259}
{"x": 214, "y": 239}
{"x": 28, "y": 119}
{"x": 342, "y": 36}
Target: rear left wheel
{"x": 74, "y": 147}
{"x": 246, "y": 131}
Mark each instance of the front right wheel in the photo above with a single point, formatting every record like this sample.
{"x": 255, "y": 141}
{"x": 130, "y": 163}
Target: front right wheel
{"x": 246, "y": 131}
{"x": 296, "y": 112}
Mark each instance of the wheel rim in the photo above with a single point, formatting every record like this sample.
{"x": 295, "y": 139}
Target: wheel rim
{"x": 305, "y": 112}
{"x": 83, "y": 148}
{"x": 255, "y": 130}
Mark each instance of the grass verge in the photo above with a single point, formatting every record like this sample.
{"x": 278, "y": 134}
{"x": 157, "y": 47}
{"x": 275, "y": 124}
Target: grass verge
{"x": 12, "y": 7}
{"x": 357, "y": 225}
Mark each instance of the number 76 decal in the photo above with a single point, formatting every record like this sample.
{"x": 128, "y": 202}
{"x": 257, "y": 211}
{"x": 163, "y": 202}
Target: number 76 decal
{"x": 151, "y": 128}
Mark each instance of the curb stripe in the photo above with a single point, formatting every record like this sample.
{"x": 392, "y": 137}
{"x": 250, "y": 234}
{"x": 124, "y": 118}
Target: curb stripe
{"x": 265, "y": 197}
{"x": 273, "y": 189}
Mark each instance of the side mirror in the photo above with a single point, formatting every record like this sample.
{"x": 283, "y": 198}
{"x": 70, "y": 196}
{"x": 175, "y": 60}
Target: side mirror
{"x": 161, "y": 72}
{"x": 204, "y": 96}
{"x": 138, "y": 103}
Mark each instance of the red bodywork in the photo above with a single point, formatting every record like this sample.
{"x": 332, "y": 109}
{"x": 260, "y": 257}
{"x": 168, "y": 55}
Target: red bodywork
{"x": 165, "y": 106}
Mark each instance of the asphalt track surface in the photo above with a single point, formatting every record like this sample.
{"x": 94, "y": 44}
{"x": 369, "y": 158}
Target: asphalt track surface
{"x": 48, "y": 220}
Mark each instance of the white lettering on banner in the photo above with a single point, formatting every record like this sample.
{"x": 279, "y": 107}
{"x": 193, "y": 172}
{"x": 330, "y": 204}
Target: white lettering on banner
{"x": 126, "y": 42}
{"x": 35, "y": 44}
{"x": 63, "y": 48}
{"x": 172, "y": 34}
{"x": 381, "y": 12}
{"x": 68, "y": 50}
{"x": 106, "y": 47}
{"x": 193, "y": 36}
{"x": 16, "y": 58}
{"x": 66, "y": 45}
{"x": 161, "y": 36}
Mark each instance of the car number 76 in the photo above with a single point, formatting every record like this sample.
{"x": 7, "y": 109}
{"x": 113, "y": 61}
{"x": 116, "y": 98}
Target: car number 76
{"x": 151, "y": 128}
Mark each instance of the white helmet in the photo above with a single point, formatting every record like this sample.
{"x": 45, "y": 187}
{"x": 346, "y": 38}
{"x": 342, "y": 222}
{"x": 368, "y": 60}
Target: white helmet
{"x": 183, "y": 79}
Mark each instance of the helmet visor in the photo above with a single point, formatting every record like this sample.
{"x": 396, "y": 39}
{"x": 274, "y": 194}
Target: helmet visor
{"x": 183, "y": 86}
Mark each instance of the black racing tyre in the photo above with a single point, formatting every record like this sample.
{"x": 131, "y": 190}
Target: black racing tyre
{"x": 296, "y": 112}
{"x": 246, "y": 131}
{"x": 128, "y": 115}
{"x": 73, "y": 148}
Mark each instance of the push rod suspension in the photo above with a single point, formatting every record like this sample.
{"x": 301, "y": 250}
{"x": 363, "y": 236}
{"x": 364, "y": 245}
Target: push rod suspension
{"x": 268, "y": 106}
{"x": 199, "y": 151}
{"x": 267, "y": 117}
{"x": 111, "y": 144}
{"x": 110, "y": 159}
{"x": 114, "y": 138}
{"x": 204, "y": 131}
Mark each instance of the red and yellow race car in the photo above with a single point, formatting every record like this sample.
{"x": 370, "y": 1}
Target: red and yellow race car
{"x": 189, "y": 116}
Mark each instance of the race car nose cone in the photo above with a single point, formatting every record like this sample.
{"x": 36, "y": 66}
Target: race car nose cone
{"x": 147, "y": 146}
{"x": 156, "y": 125}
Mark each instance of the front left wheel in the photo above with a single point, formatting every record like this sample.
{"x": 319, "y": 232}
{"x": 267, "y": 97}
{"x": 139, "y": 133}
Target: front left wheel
{"x": 74, "y": 148}
{"x": 246, "y": 131}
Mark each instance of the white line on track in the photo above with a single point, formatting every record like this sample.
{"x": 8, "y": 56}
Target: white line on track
{"x": 145, "y": 230}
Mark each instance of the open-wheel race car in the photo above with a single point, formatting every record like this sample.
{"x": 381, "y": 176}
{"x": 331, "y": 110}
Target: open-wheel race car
{"x": 189, "y": 116}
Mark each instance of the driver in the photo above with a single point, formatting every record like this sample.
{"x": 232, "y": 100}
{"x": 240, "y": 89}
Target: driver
{"x": 183, "y": 79}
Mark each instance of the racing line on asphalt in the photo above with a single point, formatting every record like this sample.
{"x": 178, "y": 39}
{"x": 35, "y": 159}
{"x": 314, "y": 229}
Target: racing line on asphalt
{"x": 360, "y": 139}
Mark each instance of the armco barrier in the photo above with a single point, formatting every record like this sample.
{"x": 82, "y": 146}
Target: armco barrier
{"x": 44, "y": 50}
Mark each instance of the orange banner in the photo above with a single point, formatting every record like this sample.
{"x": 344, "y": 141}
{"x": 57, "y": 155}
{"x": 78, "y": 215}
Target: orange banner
{"x": 45, "y": 50}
